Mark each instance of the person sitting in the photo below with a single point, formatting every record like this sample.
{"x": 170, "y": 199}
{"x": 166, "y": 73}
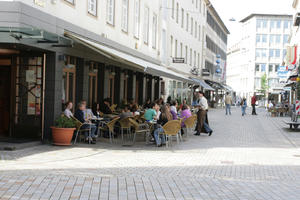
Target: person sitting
{"x": 125, "y": 113}
{"x": 105, "y": 107}
{"x": 183, "y": 103}
{"x": 151, "y": 114}
{"x": 173, "y": 109}
{"x": 68, "y": 113}
{"x": 164, "y": 117}
{"x": 79, "y": 114}
{"x": 185, "y": 113}
{"x": 96, "y": 109}
{"x": 147, "y": 104}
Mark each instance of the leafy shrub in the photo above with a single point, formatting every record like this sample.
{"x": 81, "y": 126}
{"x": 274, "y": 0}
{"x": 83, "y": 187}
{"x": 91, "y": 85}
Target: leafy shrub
{"x": 65, "y": 122}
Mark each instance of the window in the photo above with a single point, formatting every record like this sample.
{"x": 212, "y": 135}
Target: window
{"x": 286, "y": 24}
{"x": 272, "y": 39}
{"x": 173, "y": 10}
{"x": 257, "y": 53}
{"x": 181, "y": 49}
{"x": 264, "y": 38}
{"x": 276, "y": 68}
{"x": 186, "y": 54}
{"x": 264, "y": 23}
{"x": 278, "y": 39}
{"x": 175, "y": 49}
{"x": 70, "y": 1}
{"x": 187, "y": 21}
{"x": 154, "y": 30}
{"x": 171, "y": 52}
{"x": 257, "y": 82}
{"x": 258, "y": 39}
{"x": 278, "y": 24}
{"x": 196, "y": 3}
{"x": 195, "y": 58}
{"x": 257, "y": 67}
{"x": 277, "y": 53}
{"x": 263, "y": 53}
{"x": 110, "y": 16}
{"x": 196, "y": 26}
{"x": 199, "y": 33}
{"x": 261, "y": 23}
{"x": 270, "y": 68}
{"x": 177, "y": 12}
{"x": 191, "y": 57}
{"x": 124, "y": 15}
{"x": 198, "y": 59}
{"x": 271, "y": 53}
{"x": 146, "y": 25}
{"x": 182, "y": 18}
{"x": 204, "y": 9}
{"x": 92, "y": 7}
{"x": 263, "y": 67}
{"x": 192, "y": 26}
{"x": 200, "y": 3}
{"x": 285, "y": 39}
{"x": 284, "y": 52}
{"x": 272, "y": 24}
{"x": 137, "y": 18}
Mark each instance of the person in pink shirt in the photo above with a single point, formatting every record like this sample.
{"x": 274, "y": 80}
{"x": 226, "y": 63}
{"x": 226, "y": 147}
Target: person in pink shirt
{"x": 185, "y": 113}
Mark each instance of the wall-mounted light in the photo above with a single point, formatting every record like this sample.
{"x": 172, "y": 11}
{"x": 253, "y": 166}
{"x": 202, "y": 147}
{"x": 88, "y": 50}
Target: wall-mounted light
{"x": 126, "y": 76}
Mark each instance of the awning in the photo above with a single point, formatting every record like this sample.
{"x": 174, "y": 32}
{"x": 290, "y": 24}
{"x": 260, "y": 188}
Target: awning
{"x": 215, "y": 85}
{"x": 120, "y": 56}
{"x": 202, "y": 84}
{"x": 227, "y": 87}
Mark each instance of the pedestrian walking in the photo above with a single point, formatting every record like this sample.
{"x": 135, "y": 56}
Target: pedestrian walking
{"x": 253, "y": 102}
{"x": 202, "y": 122}
{"x": 228, "y": 102}
{"x": 244, "y": 106}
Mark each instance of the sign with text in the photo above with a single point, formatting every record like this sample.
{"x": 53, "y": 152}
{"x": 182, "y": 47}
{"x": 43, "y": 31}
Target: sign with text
{"x": 178, "y": 60}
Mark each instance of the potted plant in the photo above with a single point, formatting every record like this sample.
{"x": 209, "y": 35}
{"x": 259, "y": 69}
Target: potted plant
{"x": 63, "y": 131}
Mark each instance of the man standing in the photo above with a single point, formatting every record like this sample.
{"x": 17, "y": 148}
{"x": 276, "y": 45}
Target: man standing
{"x": 202, "y": 115}
{"x": 253, "y": 102}
{"x": 228, "y": 102}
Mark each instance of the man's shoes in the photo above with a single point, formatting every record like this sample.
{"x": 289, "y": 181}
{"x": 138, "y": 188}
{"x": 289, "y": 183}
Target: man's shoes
{"x": 209, "y": 134}
{"x": 197, "y": 134}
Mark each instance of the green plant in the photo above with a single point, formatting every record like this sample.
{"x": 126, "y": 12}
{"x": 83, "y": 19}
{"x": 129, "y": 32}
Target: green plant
{"x": 65, "y": 122}
{"x": 264, "y": 84}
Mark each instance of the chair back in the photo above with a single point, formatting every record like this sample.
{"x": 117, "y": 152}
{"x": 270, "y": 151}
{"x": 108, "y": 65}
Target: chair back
{"x": 112, "y": 123}
{"x": 190, "y": 122}
{"x": 113, "y": 107}
{"x": 77, "y": 122}
{"x": 125, "y": 123}
{"x": 134, "y": 124}
{"x": 172, "y": 127}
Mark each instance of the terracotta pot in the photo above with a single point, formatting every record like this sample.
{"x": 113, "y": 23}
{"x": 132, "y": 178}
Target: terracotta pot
{"x": 62, "y": 136}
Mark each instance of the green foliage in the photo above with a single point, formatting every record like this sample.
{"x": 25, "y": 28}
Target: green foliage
{"x": 65, "y": 122}
{"x": 264, "y": 84}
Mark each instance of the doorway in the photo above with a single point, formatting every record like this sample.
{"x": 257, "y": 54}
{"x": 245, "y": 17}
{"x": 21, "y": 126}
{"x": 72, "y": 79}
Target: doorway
{"x": 5, "y": 94}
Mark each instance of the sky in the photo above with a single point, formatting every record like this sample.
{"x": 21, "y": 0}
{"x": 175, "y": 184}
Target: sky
{"x": 239, "y": 9}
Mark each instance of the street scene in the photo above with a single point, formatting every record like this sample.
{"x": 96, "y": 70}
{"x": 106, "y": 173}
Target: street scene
{"x": 149, "y": 100}
{"x": 254, "y": 157}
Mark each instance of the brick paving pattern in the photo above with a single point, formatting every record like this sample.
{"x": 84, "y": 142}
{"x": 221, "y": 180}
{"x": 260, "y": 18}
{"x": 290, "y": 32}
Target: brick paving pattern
{"x": 246, "y": 158}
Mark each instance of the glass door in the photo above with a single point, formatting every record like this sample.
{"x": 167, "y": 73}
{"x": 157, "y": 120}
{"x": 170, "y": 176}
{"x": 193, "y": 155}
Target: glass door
{"x": 28, "y": 97}
{"x": 69, "y": 81}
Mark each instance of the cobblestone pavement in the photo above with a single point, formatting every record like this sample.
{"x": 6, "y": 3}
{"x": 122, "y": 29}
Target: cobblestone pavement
{"x": 251, "y": 157}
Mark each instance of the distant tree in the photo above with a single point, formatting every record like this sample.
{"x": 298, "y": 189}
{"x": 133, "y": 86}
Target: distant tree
{"x": 264, "y": 84}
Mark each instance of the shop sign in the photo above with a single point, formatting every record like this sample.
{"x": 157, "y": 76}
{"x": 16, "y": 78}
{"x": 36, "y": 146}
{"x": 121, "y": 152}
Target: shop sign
{"x": 178, "y": 60}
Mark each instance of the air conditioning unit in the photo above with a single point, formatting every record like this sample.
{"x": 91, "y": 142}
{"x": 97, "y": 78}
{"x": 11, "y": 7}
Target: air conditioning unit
{"x": 297, "y": 19}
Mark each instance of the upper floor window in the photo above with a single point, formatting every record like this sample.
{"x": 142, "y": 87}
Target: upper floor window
{"x": 92, "y": 7}
{"x": 186, "y": 54}
{"x": 278, "y": 39}
{"x": 137, "y": 18}
{"x": 146, "y": 25}
{"x": 264, "y": 38}
{"x": 272, "y": 39}
{"x": 191, "y": 57}
{"x": 196, "y": 3}
{"x": 277, "y": 53}
{"x": 182, "y": 17}
{"x": 195, "y": 58}
{"x": 286, "y": 24}
{"x": 196, "y": 26}
{"x": 260, "y": 23}
{"x": 110, "y": 16}
{"x": 200, "y": 3}
{"x": 187, "y": 21}
{"x": 154, "y": 30}
{"x": 272, "y": 24}
{"x": 285, "y": 39}
{"x": 192, "y": 26}
{"x": 125, "y": 15}
{"x": 199, "y": 33}
{"x": 181, "y": 50}
{"x": 70, "y": 1}
{"x": 176, "y": 45}
{"x": 173, "y": 10}
{"x": 177, "y": 12}
{"x": 284, "y": 52}
{"x": 278, "y": 24}
{"x": 171, "y": 47}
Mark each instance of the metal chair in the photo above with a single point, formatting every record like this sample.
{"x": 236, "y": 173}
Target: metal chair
{"x": 171, "y": 129}
{"x": 140, "y": 128}
{"x": 109, "y": 126}
{"x": 79, "y": 124}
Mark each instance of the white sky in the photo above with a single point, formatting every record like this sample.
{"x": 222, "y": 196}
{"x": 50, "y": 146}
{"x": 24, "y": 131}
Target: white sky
{"x": 239, "y": 9}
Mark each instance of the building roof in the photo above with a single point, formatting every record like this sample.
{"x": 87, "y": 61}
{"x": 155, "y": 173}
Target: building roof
{"x": 215, "y": 13}
{"x": 264, "y": 15}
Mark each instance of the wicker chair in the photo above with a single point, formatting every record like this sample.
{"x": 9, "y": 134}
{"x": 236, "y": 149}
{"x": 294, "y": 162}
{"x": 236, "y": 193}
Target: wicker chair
{"x": 125, "y": 124}
{"x": 190, "y": 124}
{"x": 140, "y": 128}
{"x": 79, "y": 124}
{"x": 113, "y": 107}
{"x": 109, "y": 126}
{"x": 171, "y": 129}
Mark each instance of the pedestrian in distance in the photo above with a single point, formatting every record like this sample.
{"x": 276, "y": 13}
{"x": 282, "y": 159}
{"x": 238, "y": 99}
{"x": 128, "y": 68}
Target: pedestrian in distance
{"x": 244, "y": 106}
{"x": 228, "y": 102}
{"x": 253, "y": 102}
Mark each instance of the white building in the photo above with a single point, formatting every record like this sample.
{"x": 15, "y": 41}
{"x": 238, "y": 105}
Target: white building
{"x": 261, "y": 51}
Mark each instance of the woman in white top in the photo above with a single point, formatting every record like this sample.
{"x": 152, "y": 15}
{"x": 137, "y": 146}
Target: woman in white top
{"x": 68, "y": 113}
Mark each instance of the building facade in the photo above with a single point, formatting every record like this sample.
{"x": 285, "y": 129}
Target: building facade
{"x": 258, "y": 56}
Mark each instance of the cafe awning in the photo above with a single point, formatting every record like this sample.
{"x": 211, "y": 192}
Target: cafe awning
{"x": 202, "y": 84}
{"x": 123, "y": 57}
{"x": 215, "y": 85}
